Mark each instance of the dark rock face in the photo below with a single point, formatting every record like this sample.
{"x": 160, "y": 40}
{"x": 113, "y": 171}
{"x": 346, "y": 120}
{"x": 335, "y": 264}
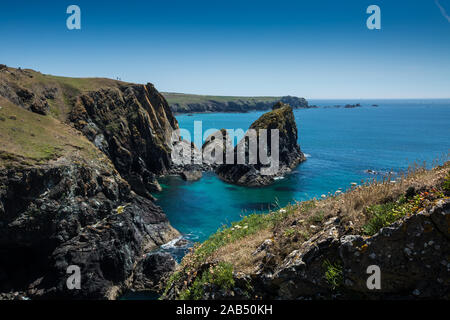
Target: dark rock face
{"x": 153, "y": 270}
{"x": 289, "y": 153}
{"x": 73, "y": 214}
{"x": 235, "y": 106}
{"x": 24, "y": 97}
{"x": 93, "y": 212}
{"x": 187, "y": 160}
{"x": 412, "y": 256}
{"x": 133, "y": 126}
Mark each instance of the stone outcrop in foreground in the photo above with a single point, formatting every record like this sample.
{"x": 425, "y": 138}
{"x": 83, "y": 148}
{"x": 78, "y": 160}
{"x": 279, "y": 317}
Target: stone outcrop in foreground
{"x": 259, "y": 173}
{"x": 411, "y": 254}
{"x": 396, "y": 245}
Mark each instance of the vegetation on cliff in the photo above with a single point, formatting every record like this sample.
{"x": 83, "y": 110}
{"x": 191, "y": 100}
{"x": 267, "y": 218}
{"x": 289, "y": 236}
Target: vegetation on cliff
{"x": 29, "y": 138}
{"x": 186, "y": 103}
{"x": 283, "y": 154}
{"x": 130, "y": 123}
{"x": 321, "y": 248}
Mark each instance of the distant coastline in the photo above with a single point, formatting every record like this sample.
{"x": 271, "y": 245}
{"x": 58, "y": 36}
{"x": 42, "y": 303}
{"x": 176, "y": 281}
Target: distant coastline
{"x": 181, "y": 103}
{"x": 191, "y": 103}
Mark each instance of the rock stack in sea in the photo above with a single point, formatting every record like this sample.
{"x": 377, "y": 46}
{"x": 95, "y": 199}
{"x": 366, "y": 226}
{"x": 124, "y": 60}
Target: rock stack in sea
{"x": 259, "y": 172}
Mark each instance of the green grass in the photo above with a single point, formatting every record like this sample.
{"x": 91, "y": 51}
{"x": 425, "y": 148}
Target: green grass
{"x": 317, "y": 217}
{"x": 381, "y": 215}
{"x": 73, "y": 86}
{"x": 289, "y": 232}
{"x": 333, "y": 274}
{"x": 446, "y": 185}
{"x": 220, "y": 276}
{"x": 249, "y": 225}
{"x": 182, "y": 98}
{"x": 30, "y": 138}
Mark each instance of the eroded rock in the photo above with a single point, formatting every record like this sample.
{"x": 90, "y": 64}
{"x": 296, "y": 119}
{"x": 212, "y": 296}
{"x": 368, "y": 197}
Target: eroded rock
{"x": 252, "y": 170}
{"x": 74, "y": 214}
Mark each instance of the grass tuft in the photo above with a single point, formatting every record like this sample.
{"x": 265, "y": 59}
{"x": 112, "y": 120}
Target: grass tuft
{"x": 333, "y": 274}
{"x": 220, "y": 276}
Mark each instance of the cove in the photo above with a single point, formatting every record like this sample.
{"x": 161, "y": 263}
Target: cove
{"x": 342, "y": 146}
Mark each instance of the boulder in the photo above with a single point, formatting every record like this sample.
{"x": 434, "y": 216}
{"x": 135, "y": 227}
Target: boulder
{"x": 191, "y": 175}
{"x": 153, "y": 270}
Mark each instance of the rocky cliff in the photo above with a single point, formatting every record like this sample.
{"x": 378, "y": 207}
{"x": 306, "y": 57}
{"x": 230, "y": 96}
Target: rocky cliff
{"x": 189, "y": 103}
{"x": 385, "y": 240}
{"x": 284, "y": 150}
{"x": 78, "y": 158}
{"x": 73, "y": 213}
{"x": 132, "y": 125}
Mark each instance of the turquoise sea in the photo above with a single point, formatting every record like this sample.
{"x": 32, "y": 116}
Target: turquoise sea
{"x": 340, "y": 144}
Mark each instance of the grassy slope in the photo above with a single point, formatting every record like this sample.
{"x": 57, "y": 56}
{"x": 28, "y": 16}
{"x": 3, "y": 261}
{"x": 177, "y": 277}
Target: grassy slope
{"x": 363, "y": 210}
{"x": 69, "y": 88}
{"x": 183, "y": 100}
{"x": 28, "y": 138}
{"x": 194, "y": 98}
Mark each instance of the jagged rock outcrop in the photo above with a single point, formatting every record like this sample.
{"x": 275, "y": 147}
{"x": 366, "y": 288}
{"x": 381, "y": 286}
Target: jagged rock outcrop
{"x": 73, "y": 213}
{"x": 283, "y": 154}
{"x": 187, "y": 160}
{"x": 191, "y": 175}
{"x": 412, "y": 256}
{"x": 215, "y": 148}
{"x": 20, "y": 95}
{"x": 153, "y": 270}
{"x": 133, "y": 125}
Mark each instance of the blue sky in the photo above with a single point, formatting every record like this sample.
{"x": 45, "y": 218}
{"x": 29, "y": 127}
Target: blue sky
{"x": 315, "y": 49}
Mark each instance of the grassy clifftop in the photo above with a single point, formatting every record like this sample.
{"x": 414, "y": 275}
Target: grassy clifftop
{"x": 58, "y": 92}
{"x": 29, "y": 138}
{"x": 184, "y": 103}
{"x": 77, "y": 164}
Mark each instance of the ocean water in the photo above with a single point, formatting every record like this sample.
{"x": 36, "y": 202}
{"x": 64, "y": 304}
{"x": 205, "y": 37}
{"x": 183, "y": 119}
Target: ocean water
{"x": 340, "y": 144}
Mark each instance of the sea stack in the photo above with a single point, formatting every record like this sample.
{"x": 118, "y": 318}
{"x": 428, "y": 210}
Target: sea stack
{"x": 259, "y": 173}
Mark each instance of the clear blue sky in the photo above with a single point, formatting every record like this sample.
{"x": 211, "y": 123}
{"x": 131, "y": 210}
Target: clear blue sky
{"x": 315, "y": 49}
